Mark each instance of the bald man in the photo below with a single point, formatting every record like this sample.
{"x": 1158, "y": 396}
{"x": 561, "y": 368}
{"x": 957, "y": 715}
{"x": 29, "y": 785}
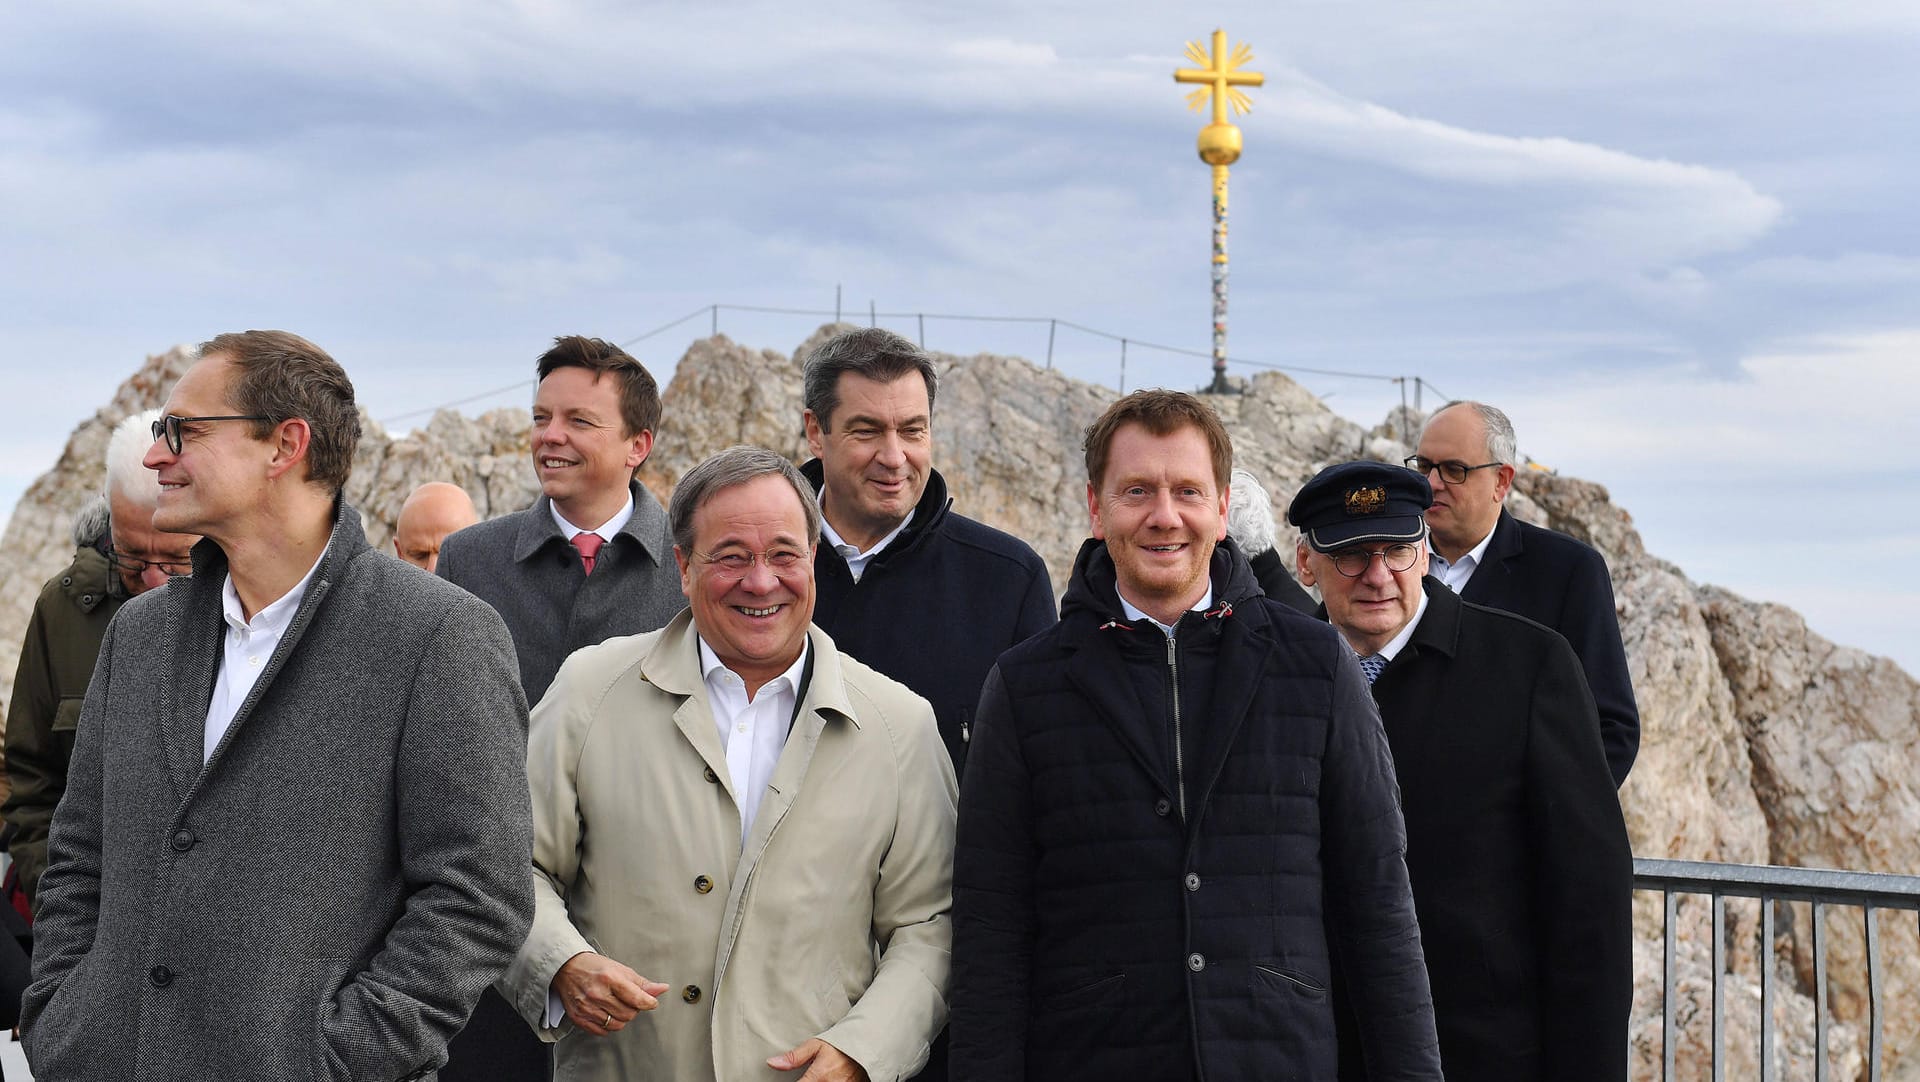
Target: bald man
{"x": 431, "y": 512}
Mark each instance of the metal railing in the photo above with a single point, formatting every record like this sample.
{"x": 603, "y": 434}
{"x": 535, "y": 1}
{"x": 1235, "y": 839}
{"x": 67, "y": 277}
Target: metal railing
{"x": 1821, "y": 888}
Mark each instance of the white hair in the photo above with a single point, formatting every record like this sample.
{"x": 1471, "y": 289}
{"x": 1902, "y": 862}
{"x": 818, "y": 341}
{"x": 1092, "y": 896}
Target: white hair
{"x": 1249, "y": 514}
{"x": 127, "y": 473}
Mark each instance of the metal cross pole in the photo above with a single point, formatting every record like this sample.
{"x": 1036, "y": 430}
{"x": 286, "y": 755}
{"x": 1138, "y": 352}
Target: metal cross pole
{"x": 1220, "y": 80}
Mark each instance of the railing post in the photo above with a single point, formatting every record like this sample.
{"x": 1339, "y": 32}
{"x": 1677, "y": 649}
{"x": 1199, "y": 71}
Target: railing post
{"x": 1123, "y": 366}
{"x": 1719, "y": 986}
{"x": 714, "y": 310}
{"x": 1052, "y": 326}
{"x": 1766, "y": 989}
{"x": 1873, "y": 992}
{"x": 922, "y": 317}
{"x": 1669, "y": 1007}
{"x": 1819, "y": 910}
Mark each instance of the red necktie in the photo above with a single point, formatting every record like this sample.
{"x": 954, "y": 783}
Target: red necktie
{"x": 589, "y": 546}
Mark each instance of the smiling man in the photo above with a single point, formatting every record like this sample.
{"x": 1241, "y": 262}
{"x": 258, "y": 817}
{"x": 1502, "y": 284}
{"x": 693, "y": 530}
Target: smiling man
{"x": 758, "y": 823}
{"x": 295, "y": 833}
{"x": 1179, "y": 810}
{"x": 589, "y": 560}
{"x": 1468, "y": 453}
{"x": 907, "y": 584}
{"x": 1515, "y": 841}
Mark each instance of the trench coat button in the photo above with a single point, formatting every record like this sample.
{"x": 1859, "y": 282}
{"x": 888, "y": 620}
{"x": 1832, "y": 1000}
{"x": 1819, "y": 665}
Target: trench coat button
{"x": 184, "y": 840}
{"x": 1193, "y": 881}
{"x": 712, "y": 777}
{"x": 1163, "y": 807}
{"x": 691, "y": 993}
{"x": 1196, "y": 962}
{"x": 86, "y": 599}
{"x": 66, "y": 580}
{"x": 702, "y": 885}
{"x": 161, "y": 976}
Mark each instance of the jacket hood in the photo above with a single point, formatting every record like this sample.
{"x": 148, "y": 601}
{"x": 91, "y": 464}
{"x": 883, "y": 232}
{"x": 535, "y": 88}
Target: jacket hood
{"x": 92, "y": 524}
{"x": 928, "y": 514}
{"x": 1092, "y": 591}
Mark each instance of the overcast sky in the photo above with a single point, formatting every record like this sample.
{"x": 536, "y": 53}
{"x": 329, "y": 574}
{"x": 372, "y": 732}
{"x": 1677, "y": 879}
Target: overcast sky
{"x": 1678, "y": 241}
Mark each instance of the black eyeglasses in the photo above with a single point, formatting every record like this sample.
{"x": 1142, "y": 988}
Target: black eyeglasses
{"x": 168, "y": 427}
{"x": 1452, "y": 471}
{"x": 133, "y": 565}
{"x": 1353, "y": 563}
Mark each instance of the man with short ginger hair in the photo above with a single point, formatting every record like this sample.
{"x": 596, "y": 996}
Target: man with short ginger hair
{"x": 1490, "y": 558}
{"x": 296, "y": 829}
{"x": 1179, "y": 824}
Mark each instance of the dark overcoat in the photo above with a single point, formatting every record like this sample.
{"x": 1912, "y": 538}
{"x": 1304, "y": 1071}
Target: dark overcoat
{"x": 937, "y": 607}
{"x": 1555, "y": 580}
{"x": 1522, "y": 873}
{"x": 326, "y": 895}
{"x": 1144, "y": 900}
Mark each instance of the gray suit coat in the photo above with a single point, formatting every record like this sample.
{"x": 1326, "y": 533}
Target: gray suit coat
{"x": 523, "y": 566}
{"x": 327, "y": 895}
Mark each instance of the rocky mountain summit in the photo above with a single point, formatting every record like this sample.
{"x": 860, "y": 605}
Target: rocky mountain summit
{"x": 1762, "y": 743}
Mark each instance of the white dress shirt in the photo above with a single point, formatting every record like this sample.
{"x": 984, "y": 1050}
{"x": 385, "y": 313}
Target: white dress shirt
{"x": 752, "y": 731}
{"x": 249, "y": 644}
{"x": 1456, "y": 575}
{"x": 606, "y": 529}
{"x": 857, "y": 560}
{"x": 1132, "y": 613}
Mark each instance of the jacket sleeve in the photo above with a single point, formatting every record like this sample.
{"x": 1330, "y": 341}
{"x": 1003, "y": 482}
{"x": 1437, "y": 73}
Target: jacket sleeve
{"x": 554, "y": 742}
{"x": 69, "y": 899}
{"x": 1582, "y": 868}
{"x": 890, "y": 1030}
{"x": 36, "y": 776}
{"x": 465, "y": 838}
{"x": 1592, "y": 628}
{"x": 993, "y": 915}
{"x": 1369, "y": 898}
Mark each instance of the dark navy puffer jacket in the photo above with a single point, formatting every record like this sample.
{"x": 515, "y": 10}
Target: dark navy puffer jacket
{"x": 1101, "y": 933}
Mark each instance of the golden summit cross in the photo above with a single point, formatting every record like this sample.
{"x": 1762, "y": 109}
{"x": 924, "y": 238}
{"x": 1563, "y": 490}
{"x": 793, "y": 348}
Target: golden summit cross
{"x": 1220, "y": 80}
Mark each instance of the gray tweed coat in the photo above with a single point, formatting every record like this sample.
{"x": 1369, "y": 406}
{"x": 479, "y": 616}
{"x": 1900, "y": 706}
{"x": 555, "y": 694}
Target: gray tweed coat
{"x": 326, "y": 897}
{"x": 524, "y": 567}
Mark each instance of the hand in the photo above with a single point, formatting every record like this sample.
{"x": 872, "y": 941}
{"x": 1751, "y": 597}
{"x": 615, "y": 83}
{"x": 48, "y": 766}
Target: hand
{"x": 600, "y": 995}
{"x": 829, "y": 1063}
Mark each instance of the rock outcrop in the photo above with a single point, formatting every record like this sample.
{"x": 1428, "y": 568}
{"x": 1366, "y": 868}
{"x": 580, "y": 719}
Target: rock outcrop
{"x": 1761, "y": 742}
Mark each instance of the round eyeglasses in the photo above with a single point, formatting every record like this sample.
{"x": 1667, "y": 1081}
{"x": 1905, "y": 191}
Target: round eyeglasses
{"x": 1353, "y": 563}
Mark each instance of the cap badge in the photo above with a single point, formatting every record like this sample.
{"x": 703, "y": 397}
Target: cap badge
{"x": 1366, "y": 501}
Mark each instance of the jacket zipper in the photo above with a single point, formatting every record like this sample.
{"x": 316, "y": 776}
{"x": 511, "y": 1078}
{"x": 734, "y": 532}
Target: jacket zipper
{"x": 1179, "y": 745}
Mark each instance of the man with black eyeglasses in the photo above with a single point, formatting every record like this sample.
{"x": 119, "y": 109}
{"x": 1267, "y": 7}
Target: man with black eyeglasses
{"x": 1468, "y": 454}
{"x": 1516, "y": 847}
{"x": 119, "y": 555}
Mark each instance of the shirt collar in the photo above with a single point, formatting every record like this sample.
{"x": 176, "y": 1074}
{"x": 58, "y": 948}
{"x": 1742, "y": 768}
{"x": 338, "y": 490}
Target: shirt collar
{"x": 1132, "y": 613}
{"x": 606, "y": 530}
{"x": 274, "y": 617}
{"x": 840, "y": 544}
{"x": 1399, "y": 642}
{"x": 711, "y": 667}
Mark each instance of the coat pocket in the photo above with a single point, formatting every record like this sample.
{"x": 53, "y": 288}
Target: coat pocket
{"x": 1271, "y": 977}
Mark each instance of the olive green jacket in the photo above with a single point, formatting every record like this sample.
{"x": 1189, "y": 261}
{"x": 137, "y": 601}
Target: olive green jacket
{"x": 56, "y": 661}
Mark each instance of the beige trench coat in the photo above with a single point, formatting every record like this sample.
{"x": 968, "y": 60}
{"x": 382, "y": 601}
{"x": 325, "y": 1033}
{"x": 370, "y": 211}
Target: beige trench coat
{"x": 832, "y": 920}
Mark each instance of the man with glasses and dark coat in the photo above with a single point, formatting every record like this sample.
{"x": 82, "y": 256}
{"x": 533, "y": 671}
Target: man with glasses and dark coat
{"x": 120, "y": 555}
{"x": 1467, "y": 452}
{"x": 1517, "y": 850}
{"x": 296, "y": 832}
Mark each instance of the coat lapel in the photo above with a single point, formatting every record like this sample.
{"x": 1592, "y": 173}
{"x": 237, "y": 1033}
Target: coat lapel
{"x": 1408, "y": 685}
{"x": 198, "y": 631}
{"x": 1488, "y": 586}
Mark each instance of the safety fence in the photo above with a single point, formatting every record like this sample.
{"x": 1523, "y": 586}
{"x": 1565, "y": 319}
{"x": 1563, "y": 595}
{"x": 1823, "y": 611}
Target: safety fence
{"x": 1870, "y": 894}
{"x": 1415, "y": 391}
